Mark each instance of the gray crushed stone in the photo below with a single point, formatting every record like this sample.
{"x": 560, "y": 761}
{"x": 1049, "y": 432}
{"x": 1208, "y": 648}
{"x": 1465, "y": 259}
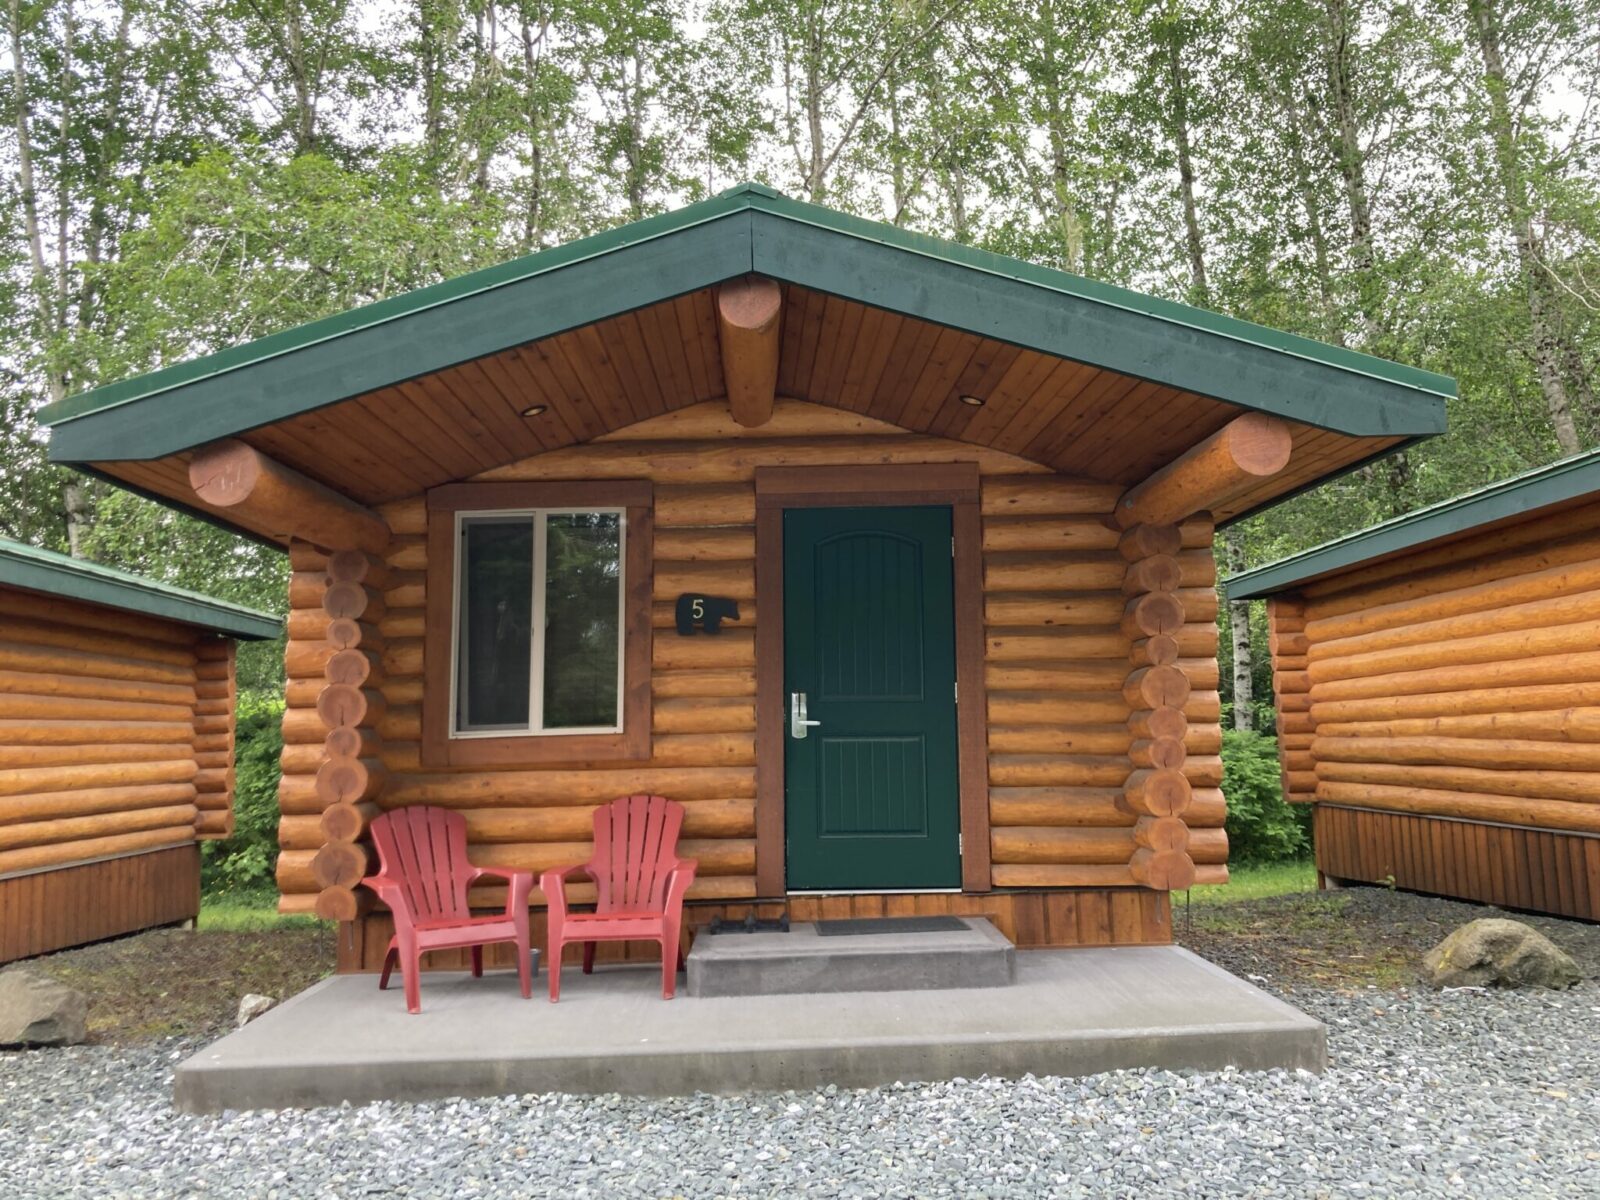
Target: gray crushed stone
{"x": 1459, "y": 1093}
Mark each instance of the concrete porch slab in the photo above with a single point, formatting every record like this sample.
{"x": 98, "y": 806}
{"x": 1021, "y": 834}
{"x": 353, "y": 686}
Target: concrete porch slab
{"x": 1070, "y": 1012}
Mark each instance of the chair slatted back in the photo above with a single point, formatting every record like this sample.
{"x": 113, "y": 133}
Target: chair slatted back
{"x": 635, "y": 848}
{"x": 425, "y": 850}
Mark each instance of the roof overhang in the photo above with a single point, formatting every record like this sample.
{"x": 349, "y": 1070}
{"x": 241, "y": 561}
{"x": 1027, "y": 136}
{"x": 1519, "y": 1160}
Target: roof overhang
{"x": 747, "y": 231}
{"x": 1544, "y": 489}
{"x": 32, "y": 569}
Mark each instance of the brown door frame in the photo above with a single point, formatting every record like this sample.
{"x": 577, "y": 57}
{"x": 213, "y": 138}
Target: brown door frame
{"x": 954, "y": 484}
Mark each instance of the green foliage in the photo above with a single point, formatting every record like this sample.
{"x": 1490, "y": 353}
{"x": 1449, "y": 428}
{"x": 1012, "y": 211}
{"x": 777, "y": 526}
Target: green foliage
{"x": 1257, "y": 881}
{"x": 243, "y": 864}
{"x": 1262, "y": 827}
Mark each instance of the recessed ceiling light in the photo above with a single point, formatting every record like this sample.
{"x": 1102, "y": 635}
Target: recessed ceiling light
{"x": 533, "y": 410}
{"x": 972, "y": 401}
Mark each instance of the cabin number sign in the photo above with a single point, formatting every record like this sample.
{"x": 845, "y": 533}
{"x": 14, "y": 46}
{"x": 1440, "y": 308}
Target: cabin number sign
{"x": 704, "y": 612}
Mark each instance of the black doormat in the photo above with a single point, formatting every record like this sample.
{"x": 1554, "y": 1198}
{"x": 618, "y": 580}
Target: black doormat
{"x": 864, "y": 925}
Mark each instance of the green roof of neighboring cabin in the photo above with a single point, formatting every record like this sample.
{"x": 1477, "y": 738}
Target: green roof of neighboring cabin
{"x": 55, "y": 574}
{"x": 1567, "y": 480}
{"x": 746, "y": 230}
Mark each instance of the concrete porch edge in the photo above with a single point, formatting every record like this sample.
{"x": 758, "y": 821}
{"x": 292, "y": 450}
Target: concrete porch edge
{"x": 1071, "y": 1012}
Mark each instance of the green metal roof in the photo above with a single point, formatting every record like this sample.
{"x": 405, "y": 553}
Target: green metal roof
{"x": 748, "y": 229}
{"x": 74, "y": 579}
{"x": 1567, "y": 479}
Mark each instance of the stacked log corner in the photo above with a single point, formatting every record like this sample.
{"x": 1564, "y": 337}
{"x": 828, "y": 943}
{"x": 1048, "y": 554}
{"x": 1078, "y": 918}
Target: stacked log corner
{"x": 333, "y": 771}
{"x": 1291, "y": 690}
{"x": 215, "y": 717}
{"x": 1068, "y": 661}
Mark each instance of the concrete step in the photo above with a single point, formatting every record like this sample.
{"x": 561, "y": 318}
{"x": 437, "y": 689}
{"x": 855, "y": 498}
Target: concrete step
{"x": 974, "y": 954}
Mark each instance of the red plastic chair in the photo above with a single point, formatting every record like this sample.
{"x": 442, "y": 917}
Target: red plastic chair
{"x": 640, "y": 880}
{"x": 423, "y": 878}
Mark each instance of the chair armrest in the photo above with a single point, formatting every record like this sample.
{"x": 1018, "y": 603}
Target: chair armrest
{"x": 553, "y": 884}
{"x": 679, "y": 880}
{"x": 521, "y": 884}
{"x": 391, "y": 893}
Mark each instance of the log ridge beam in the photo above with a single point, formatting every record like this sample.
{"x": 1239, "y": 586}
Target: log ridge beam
{"x": 749, "y": 317}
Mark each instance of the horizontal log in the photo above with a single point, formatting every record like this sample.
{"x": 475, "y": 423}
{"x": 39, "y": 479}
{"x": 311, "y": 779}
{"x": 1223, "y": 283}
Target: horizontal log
{"x": 1055, "y": 708}
{"x": 84, "y": 687}
{"x": 403, "y": 623}
{"x": 734, "y": 544}
{"x": 78, "y": 802}
{"x": 1558, "y": 725}
{"x": 403, "y": 659}
{"x": 305, "y": 557}
{"x": 341, "y": 904}
{"x": 1034, "y": 571}
{"x": 112, "y": 645}
{"x": 37, "y": 659}
{"x": 27, "y": 834}
{"x": 308, "y": 659}
{"x": 733, "y": 647}
{"x": 1579, "y": 786}
{"x": 465, "y": 789}
{"x": 1478, "y": 701}
{"x": 697, "y": 682}
{"x": 62, "y": 853}
{"x": 404, "y": 691}
{"x": 1567, "y": 815}
{"x": 749, "y": 316}
{"x": 1209, "y": 875}
{"x": 1511, "y": 644}
{"x": 297, "y": 795}
{"x": 1537, "y": 586}
{"x": 698, "y": 505}
{"x": 1164, "y": 721}
{"x": 1069, "y": 806}
{"x": 92, "y": 618}
{"x": 1102, "y": 609}
{"x": 1057, "y": 675}
{"x": 216, "y": 825}
{"x": 342, "y": 704}
{"x": 1032, "y": 875}
{"x": 1052, "y": 532}
{"x": 342, "y": 864}
{"x": 22, "y": 732}
{"x": 1164, "y": 752}
{"x": 88, "y": 775}
{"x": 1158, "y": 651}
{"x": 407, "y": 589}
{"x": 92, "y": 754}
{"x": 214, "y": 780}
{"x": 304, "y": 726}
{"x": 704, "y": 714}
{"x": 305, "y": 590}
{"x": 1004, "y": 495}
{"x": 353, "y": 602}
{"x": 1065, "y": 846}
{"x": 351, "y": 667}
{"x": 702, "y": 819}
{"x": 735, "y": 580}
{"x": 1048, "y": 770}
{"x": 401, "y": 724}
{"x": 352, "y": 742}
{"x": 1147, "y": 541}
{"x": 1103, "y": 740}
{"x": 408, "y": 517}
{"x": 1570, "y": 668}
{"x": 1499, "y": 753}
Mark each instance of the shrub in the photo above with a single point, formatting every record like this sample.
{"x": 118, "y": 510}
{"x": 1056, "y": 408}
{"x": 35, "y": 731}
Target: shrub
{"x": 1262, "y": 827}
{"x": 245, "y": 861}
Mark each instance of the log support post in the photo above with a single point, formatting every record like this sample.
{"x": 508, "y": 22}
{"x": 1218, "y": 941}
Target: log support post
{"x": 749, "y": 316}
{"x": 1156, "y": 791}
{"x": 350, "y": 774}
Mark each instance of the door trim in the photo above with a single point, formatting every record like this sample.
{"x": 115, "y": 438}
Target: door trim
{"x": 952, "y": 484}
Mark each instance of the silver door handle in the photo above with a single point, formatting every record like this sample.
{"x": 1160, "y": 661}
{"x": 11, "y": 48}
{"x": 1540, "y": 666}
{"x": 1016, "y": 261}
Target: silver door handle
{"x": 797, "y": 715}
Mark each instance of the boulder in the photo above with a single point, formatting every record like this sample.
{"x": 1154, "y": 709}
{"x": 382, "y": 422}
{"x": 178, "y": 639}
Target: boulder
{"x": 35, "y": 1010}
{"x": 252, "y": 1006}
{"x": 1495, "y": 952}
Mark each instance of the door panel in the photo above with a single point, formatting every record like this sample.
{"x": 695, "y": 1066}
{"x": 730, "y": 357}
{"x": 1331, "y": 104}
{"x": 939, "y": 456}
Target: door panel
{"x": 871, "y": 796}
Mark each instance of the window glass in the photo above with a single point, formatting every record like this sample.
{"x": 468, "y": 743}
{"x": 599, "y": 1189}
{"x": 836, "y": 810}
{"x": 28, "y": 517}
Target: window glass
{"x": 582, "y": 609}
{"x": 496, "y": 614}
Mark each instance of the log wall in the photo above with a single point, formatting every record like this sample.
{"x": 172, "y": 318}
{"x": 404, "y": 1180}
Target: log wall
{"x": 1057, "y": 656}
{"x": 116, "y": 738}
{"x": 1457, "y": 683}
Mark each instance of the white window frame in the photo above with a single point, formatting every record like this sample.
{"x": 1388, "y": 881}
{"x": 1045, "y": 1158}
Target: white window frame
{"x": 539, "y": 519}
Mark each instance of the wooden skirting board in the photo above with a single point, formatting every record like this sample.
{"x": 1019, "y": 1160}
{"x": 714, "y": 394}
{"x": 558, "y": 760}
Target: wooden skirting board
{"x": 1505, "y": 865}
{"x": 51, "y": 910}
{"x": 1104, "y": 917}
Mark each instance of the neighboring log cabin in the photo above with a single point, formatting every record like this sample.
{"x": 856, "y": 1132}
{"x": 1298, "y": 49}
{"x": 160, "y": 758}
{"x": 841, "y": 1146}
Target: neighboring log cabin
{"x": 116, "y": 747}
{"x": 1438, "y": 693}
{"x": 889, "y": 558}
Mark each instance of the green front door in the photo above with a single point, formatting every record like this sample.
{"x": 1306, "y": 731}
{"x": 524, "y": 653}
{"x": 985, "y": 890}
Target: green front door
{"x": 871, "y": 799}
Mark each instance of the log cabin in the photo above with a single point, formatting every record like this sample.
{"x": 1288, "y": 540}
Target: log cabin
{"x": 890, "y": 558}
{"x": 1437, "y": 684}
{"x": 116, "y": 747}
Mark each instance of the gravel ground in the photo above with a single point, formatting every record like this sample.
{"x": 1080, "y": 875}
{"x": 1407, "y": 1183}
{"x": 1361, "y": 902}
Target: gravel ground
{"x": 1468, "y": 1093}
